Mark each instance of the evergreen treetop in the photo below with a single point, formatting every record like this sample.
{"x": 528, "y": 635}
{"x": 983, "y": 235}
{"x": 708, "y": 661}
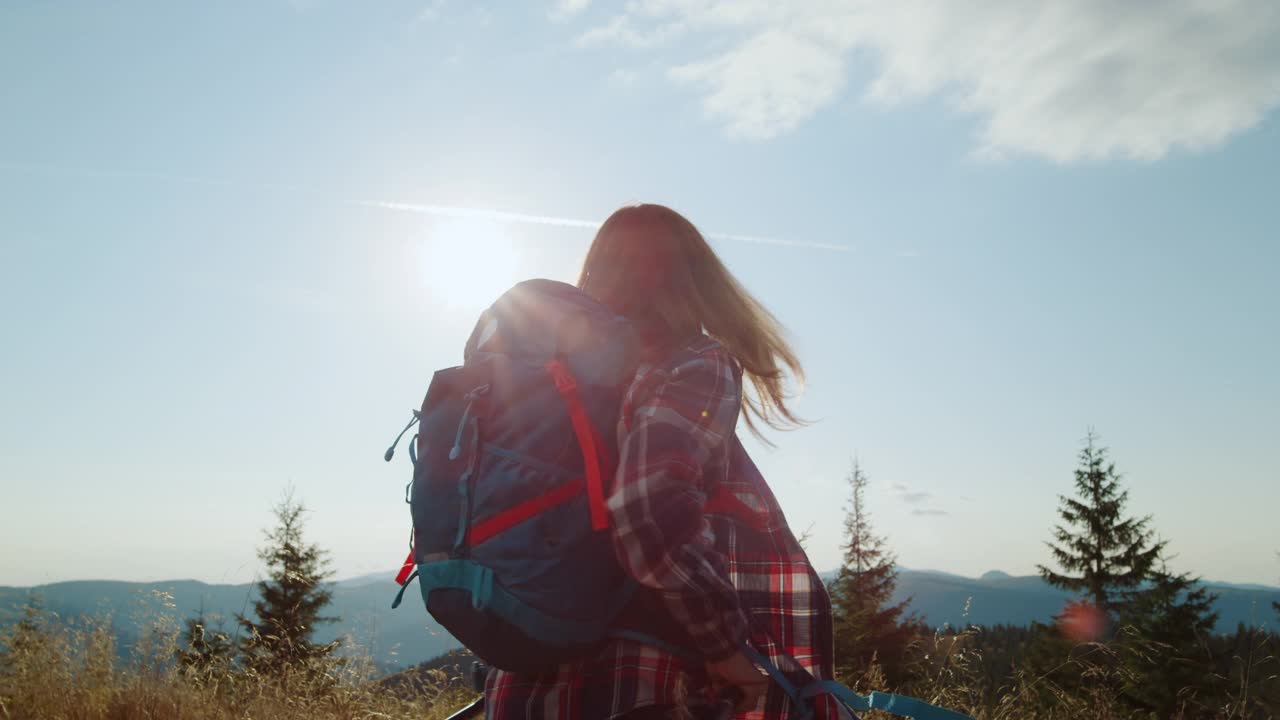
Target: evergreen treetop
{"x": 291, "y": 598}
{"x": 1102, "y": 551}
{"x": 868, "y": 625}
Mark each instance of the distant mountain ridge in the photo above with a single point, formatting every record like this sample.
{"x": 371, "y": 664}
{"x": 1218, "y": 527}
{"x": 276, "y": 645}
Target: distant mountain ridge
{"x": 408, "y": 636}
{"x": 394, "y": 638}
{"x": 999, "y": 598}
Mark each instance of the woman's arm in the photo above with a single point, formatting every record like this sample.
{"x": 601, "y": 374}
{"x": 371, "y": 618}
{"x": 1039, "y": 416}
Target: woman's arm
{"x": 661, "y": 535}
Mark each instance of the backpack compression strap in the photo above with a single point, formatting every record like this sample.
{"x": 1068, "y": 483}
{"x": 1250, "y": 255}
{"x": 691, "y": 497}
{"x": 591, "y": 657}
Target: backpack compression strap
{"x": 888, "y": 702}
{"x": 896, "y": 704}
{"x": 568, "y": 387}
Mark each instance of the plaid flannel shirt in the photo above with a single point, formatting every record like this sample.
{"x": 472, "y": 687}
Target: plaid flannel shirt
{"x": 724, "y": 583}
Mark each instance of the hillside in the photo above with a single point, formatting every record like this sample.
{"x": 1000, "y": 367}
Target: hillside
{"x": 404, "y": 637}
{"x": 999, "y": 598}
{"x": 394, "y": 638}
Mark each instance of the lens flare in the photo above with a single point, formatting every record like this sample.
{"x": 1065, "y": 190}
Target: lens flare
{"x": 1082, "y": 622}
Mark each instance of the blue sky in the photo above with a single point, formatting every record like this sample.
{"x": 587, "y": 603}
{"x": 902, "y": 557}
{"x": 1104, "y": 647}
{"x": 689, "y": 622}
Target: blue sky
{"x": 221, "y": 271}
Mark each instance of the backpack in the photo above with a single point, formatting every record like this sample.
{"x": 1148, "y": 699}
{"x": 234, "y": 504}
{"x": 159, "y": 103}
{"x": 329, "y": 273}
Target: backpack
{"x": 510, "y": 461}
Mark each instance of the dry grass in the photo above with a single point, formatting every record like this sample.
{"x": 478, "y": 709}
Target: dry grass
{"x": 53, "y": 669}
{"x": 1090, "y": 682}
{"x": 56, "y": 668}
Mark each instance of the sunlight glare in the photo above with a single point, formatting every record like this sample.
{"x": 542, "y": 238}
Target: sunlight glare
{"x": 467, "y": 262}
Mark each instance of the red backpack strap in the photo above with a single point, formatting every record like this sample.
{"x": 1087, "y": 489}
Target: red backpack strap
{"x": 402, "y": 577}
{"x": 594, "y": 471}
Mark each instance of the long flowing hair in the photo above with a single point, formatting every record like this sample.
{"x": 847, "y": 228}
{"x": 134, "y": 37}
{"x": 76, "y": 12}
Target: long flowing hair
{"x": 650, "y": 263}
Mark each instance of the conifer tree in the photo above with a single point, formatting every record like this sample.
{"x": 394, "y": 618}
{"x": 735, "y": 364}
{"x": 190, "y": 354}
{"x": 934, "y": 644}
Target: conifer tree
{"x": 867, "y": 625}
{"x": 1276, "y": 605}
{"x": 205, "y": 649}
{"x": 31, "y": 631}
{"x": 1102, "y": 552}
{"x": 291, "y": 598}
{"x": 24, "y": 645}
{"x": 1169, "y": 621}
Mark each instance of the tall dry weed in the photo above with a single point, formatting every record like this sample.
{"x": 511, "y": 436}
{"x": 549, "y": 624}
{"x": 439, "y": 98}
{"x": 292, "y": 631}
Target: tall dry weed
{"x": 54, "y": 668}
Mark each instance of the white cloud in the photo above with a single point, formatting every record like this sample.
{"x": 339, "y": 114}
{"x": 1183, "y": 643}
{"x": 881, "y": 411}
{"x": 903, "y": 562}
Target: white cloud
{"x": 919, "y": 499}
{"x": 768, "y": 85}
{"x": 915, "y": 498}
{"x": 910, "y": 496}
{"x": 1067, "y": 80}
{"x": 620, "y": 31}
{"x": 568, "y": 8}
{"x": 431, "y": 11}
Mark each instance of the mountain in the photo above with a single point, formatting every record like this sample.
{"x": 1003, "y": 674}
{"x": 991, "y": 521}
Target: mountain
{"x": 1000, "y": 598}
{"x": 393, "y": 638}
{"x": 995, "y": 598}
{"x": 401, "y": 638}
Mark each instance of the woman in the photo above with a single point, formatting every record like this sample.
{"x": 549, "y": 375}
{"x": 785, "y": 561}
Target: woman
{"x": 723, "y": 572}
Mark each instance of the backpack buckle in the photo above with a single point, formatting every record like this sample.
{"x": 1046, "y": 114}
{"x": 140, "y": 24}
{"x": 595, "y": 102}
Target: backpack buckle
{"x": 479, "y": 671}
{"x": 565, "y": 382}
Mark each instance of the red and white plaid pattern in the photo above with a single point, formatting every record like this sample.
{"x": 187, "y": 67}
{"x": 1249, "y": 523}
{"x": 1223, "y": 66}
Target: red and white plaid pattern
{"x": 722, "y": 581}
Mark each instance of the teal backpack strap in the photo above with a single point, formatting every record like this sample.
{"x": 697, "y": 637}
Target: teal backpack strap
{"x": 888, "y": 702}
{"x": 797, "y": 697}
{"x": 896, "y": 704}
{"x": 400, "y": 595}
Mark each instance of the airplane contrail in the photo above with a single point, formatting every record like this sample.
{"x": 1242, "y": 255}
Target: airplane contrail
{"x": 437, "y": 210}
{"x": 526, "y": 219}
{"x": 466, "y": 212}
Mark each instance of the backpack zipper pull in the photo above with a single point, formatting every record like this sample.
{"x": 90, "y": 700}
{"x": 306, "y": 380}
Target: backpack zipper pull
{"x": 470, "y": 398}
{"x": 391, "y": 451}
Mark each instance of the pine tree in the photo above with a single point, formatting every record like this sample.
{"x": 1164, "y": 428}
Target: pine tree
{"x": 205, "y": 649}
{"x": 867, "y": 626}
{"x": 1276, "y": 605}
{"x": 31, "y": 633}
{"x": 1165, "y": 645}
{"x": 25, "y": 645}
{"x": 290, "y": 600}
{"x": 1109, "y": 553}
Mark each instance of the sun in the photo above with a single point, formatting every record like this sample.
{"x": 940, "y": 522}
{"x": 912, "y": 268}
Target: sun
{"x": 467, "y": 262}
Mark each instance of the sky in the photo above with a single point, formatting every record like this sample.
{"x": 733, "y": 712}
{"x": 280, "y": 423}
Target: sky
{"x": 237, "y": 238}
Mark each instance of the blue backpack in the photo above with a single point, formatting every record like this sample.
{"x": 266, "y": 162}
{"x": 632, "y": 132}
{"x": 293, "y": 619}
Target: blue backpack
{"x": 513, "y": 450}
{"x": 510, "y": 461}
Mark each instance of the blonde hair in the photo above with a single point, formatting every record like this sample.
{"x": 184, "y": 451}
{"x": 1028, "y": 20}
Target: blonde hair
{"x": 650, "y": 263}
